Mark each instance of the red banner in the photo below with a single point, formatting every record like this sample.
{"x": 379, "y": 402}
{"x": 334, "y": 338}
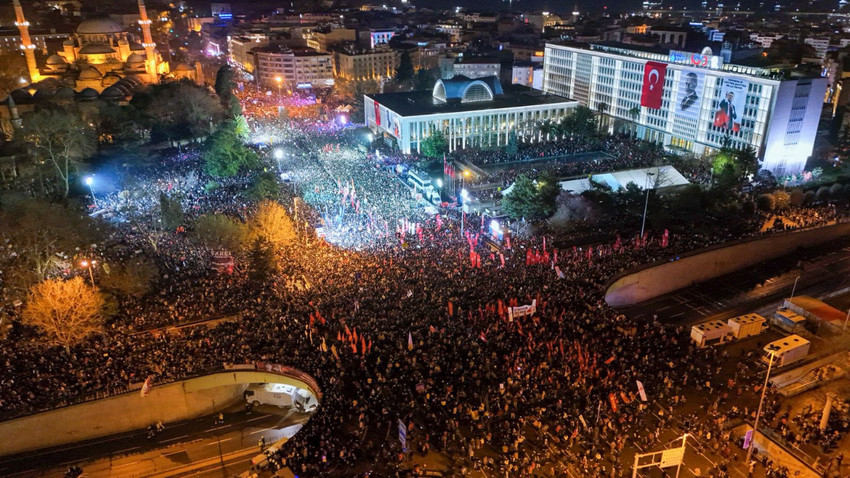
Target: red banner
{"x": 377, "y": 114}
{"x": 653, "y": 84}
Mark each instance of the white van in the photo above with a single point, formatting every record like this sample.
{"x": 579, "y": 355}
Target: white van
{"x": 281, "y": 395}
{"x": 790, "y": 349}
{"x": 713, "y": 332}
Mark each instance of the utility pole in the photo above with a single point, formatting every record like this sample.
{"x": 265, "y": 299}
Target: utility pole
{"x": 645, "y": 204}
{"x": 758, "y": 413}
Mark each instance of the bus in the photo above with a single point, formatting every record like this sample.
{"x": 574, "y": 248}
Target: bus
{"x": 419, "y": 180}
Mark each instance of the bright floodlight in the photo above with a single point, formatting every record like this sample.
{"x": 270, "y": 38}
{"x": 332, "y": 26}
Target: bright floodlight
{"x": 494, "y": 225}
{"x": 89, "y": 180}
{"x": 278, "y": 154}
{"x": 439, "y": 183}
{"x": 370, "y": 137}
{"x": 464, "y": 193}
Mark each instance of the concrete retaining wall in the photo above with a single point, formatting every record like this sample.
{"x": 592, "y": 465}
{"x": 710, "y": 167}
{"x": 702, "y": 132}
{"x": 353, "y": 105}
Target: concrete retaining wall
{"x": 653, "y": 280}
{"x": 130, "y": 411}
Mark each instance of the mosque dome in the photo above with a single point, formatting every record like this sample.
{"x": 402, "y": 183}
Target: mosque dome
{"x": 90, "y": 73}
{"x": 99, "y": 26}
{"x": 88, "y": 94}
{"x": 96, "y": 49}
{"x": 55, "y": 60}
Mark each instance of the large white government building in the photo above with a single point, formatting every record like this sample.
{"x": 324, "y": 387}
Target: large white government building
{"x": 692, "y": 101}
{"x": 469, "y": 112}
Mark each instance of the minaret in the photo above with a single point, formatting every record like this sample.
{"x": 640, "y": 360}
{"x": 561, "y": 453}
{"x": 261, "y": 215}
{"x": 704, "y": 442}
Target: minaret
{"x": 26, "y": 43}
{"x": 150, "y": 53}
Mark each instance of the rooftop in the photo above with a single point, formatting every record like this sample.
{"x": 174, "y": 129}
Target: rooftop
{"x": 419, "y": 103}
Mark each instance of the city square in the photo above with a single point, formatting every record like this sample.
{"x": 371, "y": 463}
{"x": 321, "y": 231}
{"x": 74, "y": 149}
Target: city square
{"x": 325, "y": 241}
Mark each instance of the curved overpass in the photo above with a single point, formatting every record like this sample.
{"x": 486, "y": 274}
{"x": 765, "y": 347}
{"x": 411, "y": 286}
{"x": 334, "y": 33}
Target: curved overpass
{"x": 175, "y": 401}
{"x": 652, "y": 280}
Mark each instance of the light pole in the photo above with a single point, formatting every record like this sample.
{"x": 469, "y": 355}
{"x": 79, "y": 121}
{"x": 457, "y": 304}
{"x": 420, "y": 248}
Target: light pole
{"x": 89, "y": 265}
{"x": 463, "y": 196}
{"x": 90, "y": 182}
{"x": 770, "y": 350}
{"x": 645, "y": 204}
{"x": 794, "y": 289}
{"x": 278, "y": 155}
{"x": 278, "y": 79}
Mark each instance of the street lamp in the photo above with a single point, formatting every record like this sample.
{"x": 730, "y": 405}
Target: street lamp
{"x": 278, "y": 79}
{"x": 89, "y": 182}
{"x": 89, "y": 265}
{"x": 794, "y": 289}
{"x": 770, "y": 350}
{"x": 645, "y": 205}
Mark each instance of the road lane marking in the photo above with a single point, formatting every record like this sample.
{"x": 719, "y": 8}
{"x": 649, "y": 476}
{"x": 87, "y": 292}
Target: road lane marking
{"x": 173, "y": 439}
{"x": 258, "y": 418}
{"x": 217, "y": 428}
{"x": 262, "y": 430}
{"x": 219, "y": 441}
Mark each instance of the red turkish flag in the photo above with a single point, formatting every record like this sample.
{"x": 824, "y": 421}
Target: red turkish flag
{"x": 653, "y": 84}
{"x": 377, "y": 114}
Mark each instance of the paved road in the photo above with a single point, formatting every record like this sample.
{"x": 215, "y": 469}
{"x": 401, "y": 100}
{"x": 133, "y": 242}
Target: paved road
{"x": 753, "y": 288}
{"x": 199, "y": 447}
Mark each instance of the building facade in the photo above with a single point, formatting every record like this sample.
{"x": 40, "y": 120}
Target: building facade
{"x": 297, "y": 68}
{"x": 692, "y": 102}
{"x": 239, "y": 48}
{"x": 381, "y": 62}
{"x": 470, "y": 113}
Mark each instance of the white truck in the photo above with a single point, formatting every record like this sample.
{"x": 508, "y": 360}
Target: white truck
{"x": 281, "y": 395}
{"x": 710, "y": 333}
{"x": 787, "y": 350}
{"x": 747, "y": 325}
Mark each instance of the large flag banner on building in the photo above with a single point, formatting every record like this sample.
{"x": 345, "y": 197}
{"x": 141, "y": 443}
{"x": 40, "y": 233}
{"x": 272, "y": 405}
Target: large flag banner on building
{"x": 402, "y": 435}
{"x": 653, "y": 84}
{"x": 731, "y": 107}
{"x": 377, "y": 113}
{"x": 689, "y": 97}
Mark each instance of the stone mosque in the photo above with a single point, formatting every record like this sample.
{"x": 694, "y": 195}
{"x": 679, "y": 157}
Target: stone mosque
{"x": 102, "y": 54}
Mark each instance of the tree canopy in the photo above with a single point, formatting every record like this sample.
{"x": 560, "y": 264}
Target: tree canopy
{"x": 61, "y": 138}
{"x": 66, "y": 311}
{"x": 532, "y": 200}
{"x": 435, "y": 145}
{"x": 225, "y": 154}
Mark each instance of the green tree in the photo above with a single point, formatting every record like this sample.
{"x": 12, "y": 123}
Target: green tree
{"x": 513, "y": 143}
{"x": 61, "y": 138}
{"x": 532, "y": 200}
{"x": 225, "y": 155}
{"x": 425, "y": 79}
{"x": 13, "y": 67}
{"x": 133, "y": 277}
{"x": 262, "y": 261}
{"x": 766, "y": 202}
{"x": 44, "y": 235}
{"x": 224, "y": 83}
{"x": 435, "y": 145}
{"x": 265, "y": 186}
{"x": 170, "y": 212}
{"x": 405, "y": 68}
{"x": 219, "y": 231}
{"x": 179, "y": 110}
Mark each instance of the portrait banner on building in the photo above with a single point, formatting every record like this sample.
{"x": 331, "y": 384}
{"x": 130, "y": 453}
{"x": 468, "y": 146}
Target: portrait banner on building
{"x": 377, "y": 113}
{"x": 653, "y": 84}
{"x": 730, "y": 109}
{"x": 688, "y": 100}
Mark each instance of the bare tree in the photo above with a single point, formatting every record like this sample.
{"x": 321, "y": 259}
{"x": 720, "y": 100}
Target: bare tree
{"x": 61, "y": 138}
{"x": 67, "y": 311}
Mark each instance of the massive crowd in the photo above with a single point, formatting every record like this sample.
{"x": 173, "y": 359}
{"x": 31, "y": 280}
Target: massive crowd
{"x": 413, "y": 326}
